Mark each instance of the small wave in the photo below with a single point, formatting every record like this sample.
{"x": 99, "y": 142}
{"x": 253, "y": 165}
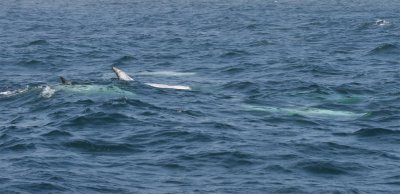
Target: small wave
{"x": 219, "y": 125}
{"x": 241, "y": 85}
{"x": 99, "y": 117}
{"x": 277, "y": 168}
{"x": 260, "y": 43}
{"x": 142, "y": 104}
{"x": 22, "y": 147}
{"x": 353, "y": 88}
{"x": 327, "y": 168}
{"x": 324, "y": 69}
{"x": 167, "y": 73}
{"x": 102, "y": 147}
{"x": 17, "y": 145}
{"x": 132, "y": 102}
{"x": 184, "y": 136}
{"x": 234, "y": 53}
{"x": 162, "y": 56}
{"x": 393, "y": 180}
{"x": 125, "y": 58}
{"x": 385, "y": 49}
{"x": 38, "y": 42}
{"x": 41, "y": 187}
{"x": 174, "y": 40}
{"x": 225, "y": 158}
{"x": 290, "y": 189}
{"x": 31, "y": 62}
{"x": 47, "y": 92}
{"x": 252, "y": 26}
{"x": 173, "y": 166}
{"x": 232, "y": 70}
{"x": 192, "y": 113}
{"x": 57, "y": 133}
{"x": 371, "y": 132}
{"x": 383, "y": 115}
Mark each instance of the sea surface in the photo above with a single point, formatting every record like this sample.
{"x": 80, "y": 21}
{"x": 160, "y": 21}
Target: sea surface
{"x": 287, "y": 96}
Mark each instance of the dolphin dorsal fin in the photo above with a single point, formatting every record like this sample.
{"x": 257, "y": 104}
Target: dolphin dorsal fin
{"x": 64, "y": 81}
{"x": 121, "y": 74}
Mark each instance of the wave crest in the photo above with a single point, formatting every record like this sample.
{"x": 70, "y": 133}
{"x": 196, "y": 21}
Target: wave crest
{"x": 371, "y": 132}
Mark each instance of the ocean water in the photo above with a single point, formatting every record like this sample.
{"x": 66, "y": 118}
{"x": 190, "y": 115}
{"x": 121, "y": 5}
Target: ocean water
{"x": 287, "y": 96}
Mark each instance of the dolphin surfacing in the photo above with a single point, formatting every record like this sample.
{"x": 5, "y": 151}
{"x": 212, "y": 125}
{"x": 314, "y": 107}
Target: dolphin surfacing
{"x": 64, "y": 81}
{"x": 121, "y": 74}
{"x": 125, "y": 77}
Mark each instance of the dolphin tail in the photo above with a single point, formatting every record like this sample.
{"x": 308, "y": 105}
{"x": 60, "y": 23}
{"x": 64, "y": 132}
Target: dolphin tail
{"x": 64, "y": 81}
{"x": 121, "y": 74}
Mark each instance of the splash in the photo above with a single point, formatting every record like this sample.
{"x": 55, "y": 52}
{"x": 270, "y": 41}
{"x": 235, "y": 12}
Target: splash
{"x": 47, "y": 92}
{"x": 381, "y": 22}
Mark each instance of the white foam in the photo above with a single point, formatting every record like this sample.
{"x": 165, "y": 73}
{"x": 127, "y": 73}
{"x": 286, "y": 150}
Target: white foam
{"x": 47, "y": 92}
{"x": 14, "y": 92}
{"x": 381, "y": 22}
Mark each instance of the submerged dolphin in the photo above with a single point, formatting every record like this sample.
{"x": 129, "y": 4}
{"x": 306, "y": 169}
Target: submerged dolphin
{"x": 125, "y": 77}
{"x": 308, "y": 112}
{"x": 69, "y": 86}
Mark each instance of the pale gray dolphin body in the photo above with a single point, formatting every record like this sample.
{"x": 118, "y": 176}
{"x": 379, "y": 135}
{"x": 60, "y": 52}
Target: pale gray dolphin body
{"x": 125, "y": 77}
{"x": 121, "y": 75}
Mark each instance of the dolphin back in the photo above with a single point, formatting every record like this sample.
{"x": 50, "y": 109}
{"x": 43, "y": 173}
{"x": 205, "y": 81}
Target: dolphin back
{"x": 64, "y": 81}
{"x": 121, "y": 74}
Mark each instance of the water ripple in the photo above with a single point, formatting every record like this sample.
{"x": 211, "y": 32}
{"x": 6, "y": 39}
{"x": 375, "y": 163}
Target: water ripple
{"x": 288, "y": 97}
{"x": 101, "y": 147}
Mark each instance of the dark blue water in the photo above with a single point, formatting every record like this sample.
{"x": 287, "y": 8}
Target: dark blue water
{"x": 287, "y": 96}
